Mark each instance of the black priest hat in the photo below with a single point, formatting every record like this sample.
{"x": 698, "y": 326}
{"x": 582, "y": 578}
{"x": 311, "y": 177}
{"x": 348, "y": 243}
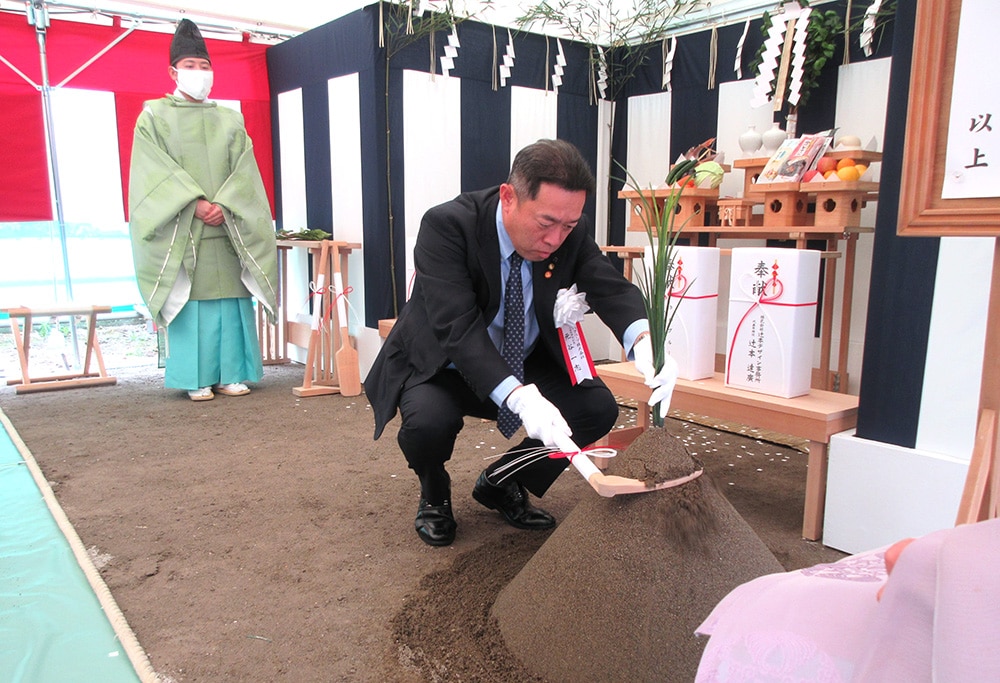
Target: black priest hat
{"x": 187, "y": 42}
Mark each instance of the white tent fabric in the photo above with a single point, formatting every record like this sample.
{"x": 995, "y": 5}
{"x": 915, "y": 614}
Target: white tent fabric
{"x": 278, "y": 18}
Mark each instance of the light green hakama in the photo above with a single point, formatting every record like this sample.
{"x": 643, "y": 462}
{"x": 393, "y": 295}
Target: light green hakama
{"x": 213, "y": 342}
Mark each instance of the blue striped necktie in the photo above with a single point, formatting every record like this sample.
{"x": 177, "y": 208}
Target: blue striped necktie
{"x": 513, "y": 340}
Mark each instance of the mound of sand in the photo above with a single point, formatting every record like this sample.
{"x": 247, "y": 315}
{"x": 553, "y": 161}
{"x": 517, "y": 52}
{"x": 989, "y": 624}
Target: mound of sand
{"x": 617, "y": 590}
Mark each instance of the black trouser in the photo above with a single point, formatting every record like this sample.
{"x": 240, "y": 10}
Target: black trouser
{"x": 433, "y": 414}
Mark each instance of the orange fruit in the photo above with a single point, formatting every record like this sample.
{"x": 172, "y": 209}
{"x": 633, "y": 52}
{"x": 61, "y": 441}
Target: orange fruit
{"x": 848, "y": 173}
{"x": 861, "y": 169}
{"x": 826, "y": 164}
{"x": 828, "y": 174}
{"x": 844, "y": 163}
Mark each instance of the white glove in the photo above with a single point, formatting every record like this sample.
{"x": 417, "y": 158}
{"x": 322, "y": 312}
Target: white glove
{"x": 642, "y": 351}
{"x": 661, "y": 383}
{"x": 541, "y": 419}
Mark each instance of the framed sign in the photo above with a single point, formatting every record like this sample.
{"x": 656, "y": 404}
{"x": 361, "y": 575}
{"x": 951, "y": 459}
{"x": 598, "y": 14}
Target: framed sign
{"x": 950, "y": 181}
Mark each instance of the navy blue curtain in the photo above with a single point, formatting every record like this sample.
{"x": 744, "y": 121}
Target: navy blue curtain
{"x": 902, "y": 283}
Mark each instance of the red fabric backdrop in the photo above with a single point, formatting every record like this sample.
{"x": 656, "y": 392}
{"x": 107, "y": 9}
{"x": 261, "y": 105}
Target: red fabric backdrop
{"x": 135, "y": 70}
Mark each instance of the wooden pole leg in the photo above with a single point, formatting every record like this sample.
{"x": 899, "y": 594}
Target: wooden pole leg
{"x": 812, "y": 519}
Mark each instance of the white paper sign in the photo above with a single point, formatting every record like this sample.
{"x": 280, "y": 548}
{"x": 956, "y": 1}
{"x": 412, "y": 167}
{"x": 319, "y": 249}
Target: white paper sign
{"x": 972, "y": 159}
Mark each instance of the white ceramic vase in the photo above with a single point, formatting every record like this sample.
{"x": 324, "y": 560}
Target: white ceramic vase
{"x": 773, "y": 138}
{"x": 750, "y": 141}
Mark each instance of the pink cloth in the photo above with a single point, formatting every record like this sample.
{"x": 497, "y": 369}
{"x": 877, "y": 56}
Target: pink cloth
{"x": 938, "y": 620}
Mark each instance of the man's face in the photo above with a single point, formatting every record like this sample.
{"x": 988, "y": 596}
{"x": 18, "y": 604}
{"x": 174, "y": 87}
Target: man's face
{"x": 539, "y": 226}
{"x": 193, "y": 63}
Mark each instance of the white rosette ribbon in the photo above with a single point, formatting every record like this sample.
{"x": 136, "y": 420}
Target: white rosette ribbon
{"x": 568, "y": 314}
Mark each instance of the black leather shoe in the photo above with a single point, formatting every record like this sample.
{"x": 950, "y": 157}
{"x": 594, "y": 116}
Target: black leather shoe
{"x": 511, "y": 501}
{"x": 435, "y": 524}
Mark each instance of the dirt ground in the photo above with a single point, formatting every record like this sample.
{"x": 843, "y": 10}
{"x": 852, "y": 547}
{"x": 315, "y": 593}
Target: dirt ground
{"x": 269, "y": 538}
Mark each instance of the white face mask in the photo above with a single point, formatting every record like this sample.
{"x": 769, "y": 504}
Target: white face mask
{"x": 195, "y": 83}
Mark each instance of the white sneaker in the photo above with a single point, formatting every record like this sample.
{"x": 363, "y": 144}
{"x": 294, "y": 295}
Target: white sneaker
{"x": 234, "y": 389}
{"x": 203, "y": 394}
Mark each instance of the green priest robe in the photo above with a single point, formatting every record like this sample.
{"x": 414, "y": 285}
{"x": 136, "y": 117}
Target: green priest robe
{"x": 184, "y": 151}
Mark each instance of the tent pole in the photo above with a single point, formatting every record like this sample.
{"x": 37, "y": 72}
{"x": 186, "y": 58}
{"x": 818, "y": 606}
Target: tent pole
{"x": 38, "y": 17}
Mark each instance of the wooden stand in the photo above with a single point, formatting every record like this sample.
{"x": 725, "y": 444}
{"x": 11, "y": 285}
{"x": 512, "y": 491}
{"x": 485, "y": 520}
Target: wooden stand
{"x": 839, "y": 203}
{"x": 752, "y": 167}
{"x": 735, "y": 212}
{"x": 784, "y": 205}
{"x": 85, "y": 378}
{"x": 329, "y": 370}
{"x": 695, "y": 207}
{"x": 786, "y": 217}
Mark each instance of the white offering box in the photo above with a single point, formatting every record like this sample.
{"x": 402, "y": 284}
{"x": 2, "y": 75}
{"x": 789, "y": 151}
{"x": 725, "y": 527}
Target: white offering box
{"x": 695, "y": 297}
{"x": 772, "y": 318}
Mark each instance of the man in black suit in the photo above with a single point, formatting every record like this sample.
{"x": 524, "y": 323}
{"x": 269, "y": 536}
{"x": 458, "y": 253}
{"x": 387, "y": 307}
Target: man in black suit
{"x": 446, "y": 357}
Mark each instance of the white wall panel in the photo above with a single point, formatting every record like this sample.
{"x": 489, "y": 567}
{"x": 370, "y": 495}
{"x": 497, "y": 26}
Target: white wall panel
{"x": 533, "y": 116}
{"x": 648, "y": 146}
{"x": 293, "y": 160}
{"x": 433, "y": 159}
{"x": 862, "y": 98}
{"x": 605, "y": 111}
{"x": 345, "y": 186}
{"x": 877, "y": 493}
{"x": 949, "y": 405}
{"x": 735, "y": 117}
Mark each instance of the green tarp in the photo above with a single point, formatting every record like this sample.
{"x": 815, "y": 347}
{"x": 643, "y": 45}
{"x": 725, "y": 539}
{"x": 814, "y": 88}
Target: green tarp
{"x": 52, "y": 625}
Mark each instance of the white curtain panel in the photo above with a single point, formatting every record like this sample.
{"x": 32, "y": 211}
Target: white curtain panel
{"x": 949, "y": 405}
{"x": 862, "y": 95}
{"x": 345, "y": 182}
{"x": 433, "y": 144}
{"x": 648, "y": 149}
{"x": 735, "y": 117}
{"x": 605, "y": 112}
{"x": 532, "y": 117}
{"x": 648, "y": 139}
{"x": 293, "y": 160}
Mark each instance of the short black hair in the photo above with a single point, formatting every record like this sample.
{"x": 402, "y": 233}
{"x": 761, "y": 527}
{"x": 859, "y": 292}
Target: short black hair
{"x": 550, "y": 161}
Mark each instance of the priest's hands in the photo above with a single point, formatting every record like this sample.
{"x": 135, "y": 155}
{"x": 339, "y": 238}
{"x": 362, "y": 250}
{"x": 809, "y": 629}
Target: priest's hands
{"x": 541, "y": 419}
{"x": 208, "y": 213}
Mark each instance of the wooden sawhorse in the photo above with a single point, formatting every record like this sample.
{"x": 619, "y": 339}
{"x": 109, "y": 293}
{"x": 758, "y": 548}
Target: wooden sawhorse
{"x": 22, "y": 340}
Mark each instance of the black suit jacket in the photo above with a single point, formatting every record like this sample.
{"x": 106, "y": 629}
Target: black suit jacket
{"x": 457, "y": 293}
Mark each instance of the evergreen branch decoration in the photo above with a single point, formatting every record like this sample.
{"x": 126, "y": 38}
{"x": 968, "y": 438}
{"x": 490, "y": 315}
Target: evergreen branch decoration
{"x": 622, "y": 37}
